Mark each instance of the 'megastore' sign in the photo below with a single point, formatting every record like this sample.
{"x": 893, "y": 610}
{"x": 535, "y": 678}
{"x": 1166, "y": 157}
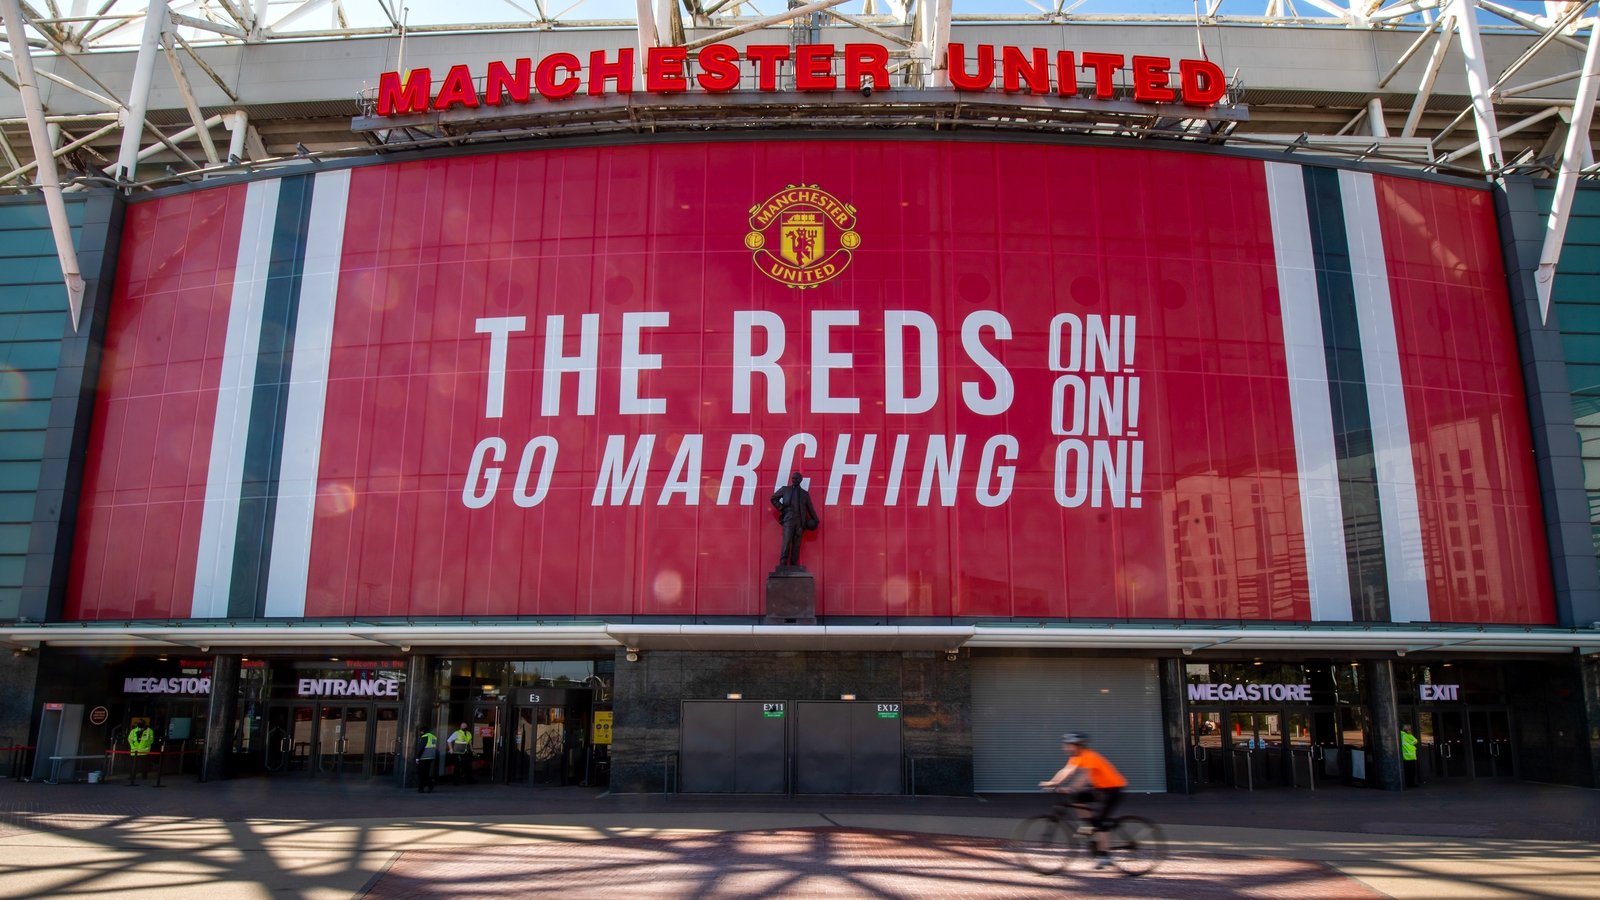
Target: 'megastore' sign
{"x": 717, "y": 68}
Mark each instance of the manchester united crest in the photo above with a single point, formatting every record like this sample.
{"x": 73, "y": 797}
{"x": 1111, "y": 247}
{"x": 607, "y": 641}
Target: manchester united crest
{"x": 802, "y": 235}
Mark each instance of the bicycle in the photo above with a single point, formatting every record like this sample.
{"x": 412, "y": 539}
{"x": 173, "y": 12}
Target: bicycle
{"x": 1047, "y": 843}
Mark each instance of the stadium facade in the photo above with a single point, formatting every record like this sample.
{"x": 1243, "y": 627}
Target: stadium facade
{"x": 1120, "y": 411}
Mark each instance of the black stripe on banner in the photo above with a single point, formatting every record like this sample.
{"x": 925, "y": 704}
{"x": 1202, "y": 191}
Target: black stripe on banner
{"x": 269, "y": 405}
{"x": 1347, "y": 397}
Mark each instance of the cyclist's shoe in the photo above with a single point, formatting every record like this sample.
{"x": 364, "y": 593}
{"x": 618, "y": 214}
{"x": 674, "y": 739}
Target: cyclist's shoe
{"x": 1102, "y": 862}
{"x": 1085, "y": 830}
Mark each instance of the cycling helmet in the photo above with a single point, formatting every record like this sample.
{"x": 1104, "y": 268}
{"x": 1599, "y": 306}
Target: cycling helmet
{"x": 1073, "y": 737}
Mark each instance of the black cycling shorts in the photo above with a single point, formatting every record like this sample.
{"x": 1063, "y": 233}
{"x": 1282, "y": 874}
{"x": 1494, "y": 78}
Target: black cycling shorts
{"x": 1109, "y": 799}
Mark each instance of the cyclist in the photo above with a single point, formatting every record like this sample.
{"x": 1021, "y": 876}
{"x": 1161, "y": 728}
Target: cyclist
{"x": 1104, "y": 782}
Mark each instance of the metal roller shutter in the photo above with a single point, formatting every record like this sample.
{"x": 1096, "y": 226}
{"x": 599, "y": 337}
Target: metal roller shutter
{"x": 1021, "y": 705}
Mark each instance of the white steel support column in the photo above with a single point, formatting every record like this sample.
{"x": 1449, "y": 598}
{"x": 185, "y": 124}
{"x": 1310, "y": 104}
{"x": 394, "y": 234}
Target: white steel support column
{"x": 924, "y": 30}
{"x": 757, "y": 24}
{"x": 1478, "y": 83}
{"x": 666, "y": 13}
{"x": 1576, "y": 151}
{"x": 258, "y": 22}
{"x": 186, "y": 91}
{"x": 647, "y": 25}
{"x": 648, "y": 37}
{"x": 176, "y": 137}
{"x": 144, "y": 68}
{"x": 1441, "y": 46}
{"x": 44, "y": 154}
{"x": 941, "y": 42}
{"x": 1375, "y": 122}
{"x": 238, "y": 127}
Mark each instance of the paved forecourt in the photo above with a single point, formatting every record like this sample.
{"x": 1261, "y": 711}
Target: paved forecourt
{"x": 92, "y": 840}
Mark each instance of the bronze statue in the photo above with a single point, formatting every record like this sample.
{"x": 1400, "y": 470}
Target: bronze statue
{"x": 795, "y": 514}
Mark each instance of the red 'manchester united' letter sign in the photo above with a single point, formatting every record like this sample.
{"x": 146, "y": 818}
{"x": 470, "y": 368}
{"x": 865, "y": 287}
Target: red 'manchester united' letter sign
{"x": 816, "y": 67}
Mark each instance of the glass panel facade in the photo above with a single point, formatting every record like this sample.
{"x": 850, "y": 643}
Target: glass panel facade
{"x": 1577, "y": 303}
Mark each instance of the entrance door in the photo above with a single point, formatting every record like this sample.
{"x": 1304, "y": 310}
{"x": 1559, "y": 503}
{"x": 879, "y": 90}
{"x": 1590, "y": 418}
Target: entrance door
{"x": 1491, "y": 743}
{"x": 386, "y": 753}
{"x": 302, "y": 737}
{"x": 1206, "y": 754}
{"x": 286, "y": 747}
{"x": 1302, "y": 750}
{"x": 540, "y": 745}
{"x": 329, "y": 749}
{"x": 1247, "y": 758}
{"x": 489, "y": 761}
{"x": 335, "y": 739}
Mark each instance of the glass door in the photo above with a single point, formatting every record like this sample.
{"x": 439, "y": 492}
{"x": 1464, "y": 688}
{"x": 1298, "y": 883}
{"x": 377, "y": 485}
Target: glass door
{"x": 1302, "y": 753}
{"x": 1454, "y": 759}
{"x": 1491, "y": 743}
{"x": 329, "y": 749}
{"x": 540, "y": 745}
{"x": 489, "y": 756}
{"x": 1242, "y": 742}
{"x": 386, "y": 740}
{"x": 356, "y": 750}
{"x": 1325, "y": 742}
{"x": 1427, "y": 744}
{"x": 275, "y": 745}
{"x": 522, "y": 744}
{"x": 1206, "y": 755}
{"x": 550, "y": 745}
{"x": 302, "y": 736}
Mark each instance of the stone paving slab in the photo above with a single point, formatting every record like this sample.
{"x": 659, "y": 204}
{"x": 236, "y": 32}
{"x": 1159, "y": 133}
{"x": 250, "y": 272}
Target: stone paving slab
{"x": 824, "y": 862}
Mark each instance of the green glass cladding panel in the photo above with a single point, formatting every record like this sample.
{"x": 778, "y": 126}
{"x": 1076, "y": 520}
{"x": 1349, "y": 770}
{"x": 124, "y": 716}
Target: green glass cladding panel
{"x": 33, "y": 319}
{"x": 1576, "y": 296}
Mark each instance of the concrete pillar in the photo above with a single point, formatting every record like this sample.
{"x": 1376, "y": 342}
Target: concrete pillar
{"x": 19, "y": 674}
{"x": 1174, "y": 726}
{"x": 419, "y": 714}
{"x": 219, "y": 717}
{"x": 1386, "y": 773}
{"x": 1589, "y": 678}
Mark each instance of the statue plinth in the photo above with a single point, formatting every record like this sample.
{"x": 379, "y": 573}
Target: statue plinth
{"x": 791, "y": 597}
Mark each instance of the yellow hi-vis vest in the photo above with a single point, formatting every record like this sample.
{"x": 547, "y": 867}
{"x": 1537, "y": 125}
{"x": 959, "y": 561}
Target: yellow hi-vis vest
{"x": 140, "y": 740}
{"x": 1408, "y": 746}
{"x": 460, "y": 741}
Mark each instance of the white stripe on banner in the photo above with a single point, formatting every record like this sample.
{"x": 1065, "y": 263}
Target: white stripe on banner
{"x": 1321, "y": 510}
{"x": 219, "y": 520}
{"x": 1391, "y": 434}
{"x": 308, "y": 395}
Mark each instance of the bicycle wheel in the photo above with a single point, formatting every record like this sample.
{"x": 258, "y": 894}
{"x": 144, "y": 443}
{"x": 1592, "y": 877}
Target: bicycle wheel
{"x": 1042, "y": 844}
{"x": 1137, "y": 845}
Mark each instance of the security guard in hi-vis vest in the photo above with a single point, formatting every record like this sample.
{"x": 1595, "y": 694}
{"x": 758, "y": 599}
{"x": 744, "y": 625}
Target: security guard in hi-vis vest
{"x": 460, "y": 746}
{"x": 140, "y": 739}
{"x": 427, "y": 760}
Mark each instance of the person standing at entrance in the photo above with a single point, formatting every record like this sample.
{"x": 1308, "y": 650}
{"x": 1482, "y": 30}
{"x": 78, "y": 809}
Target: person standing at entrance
{"x": 1408, "y": 756}
{"x": 427, "y": 760}
{"x": 140, "y": 739}
{"x": 460, "y": 747}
